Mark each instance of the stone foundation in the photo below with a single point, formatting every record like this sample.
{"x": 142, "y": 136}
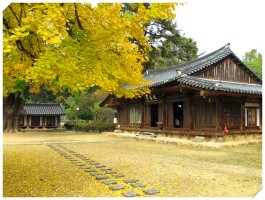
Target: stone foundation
{"x": 229, "y": 137}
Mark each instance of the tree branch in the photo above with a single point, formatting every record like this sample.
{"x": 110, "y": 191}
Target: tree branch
{"x": 21, "y": 48}
{"x": 14, "y": 14}
{"x": 77, "y": 18}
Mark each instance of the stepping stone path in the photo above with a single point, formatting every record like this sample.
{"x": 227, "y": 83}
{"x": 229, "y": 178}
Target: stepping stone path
{"x": 90, "y": 170}
{"x": 138, "y": 185}
{"x": 111, "y": 172}
{"x": 101, "y": 177}
{"x": 129, "y": 194}
{"x": 116, "y": 187}
{"x": 95, "y": 173}
{"x": 100, "y": 166}
{"x": 80, "y": 164}
{"x": 106, "y": 169}
{"x": 109, "y": 182}
{"x": 129, "y": 181}
{"x": 118, "y": 175}
{"x": 151, "y": 191}
{"x": 118, "y": 184}
{"x": 85, "y": 167}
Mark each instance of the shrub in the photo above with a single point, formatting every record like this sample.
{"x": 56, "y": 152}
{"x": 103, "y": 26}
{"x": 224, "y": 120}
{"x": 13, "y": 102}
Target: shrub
{"x": 69, "y": 125}
{"x": 90, "y": 127}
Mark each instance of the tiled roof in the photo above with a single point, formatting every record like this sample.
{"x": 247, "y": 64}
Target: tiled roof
{"x": 44, "y": 109}
{"x": 161, "y": 77}
{"x": 205, "y": 61}
{"x": 224, "y": 86}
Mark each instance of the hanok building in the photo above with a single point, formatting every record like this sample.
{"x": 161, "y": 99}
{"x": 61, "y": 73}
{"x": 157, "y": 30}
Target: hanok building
{"x": 212, "y": 96}
{"x": 41, "y": 115}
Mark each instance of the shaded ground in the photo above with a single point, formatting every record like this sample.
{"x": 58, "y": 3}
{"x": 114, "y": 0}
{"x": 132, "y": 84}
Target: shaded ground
{"x": 33, "y": 168}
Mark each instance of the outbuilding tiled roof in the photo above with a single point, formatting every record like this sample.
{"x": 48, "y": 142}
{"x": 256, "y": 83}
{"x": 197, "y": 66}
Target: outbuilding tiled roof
{"x": 44, "y": 109}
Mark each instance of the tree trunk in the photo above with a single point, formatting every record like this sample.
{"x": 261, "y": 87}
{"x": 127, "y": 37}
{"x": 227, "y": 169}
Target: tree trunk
{"x": 12, "y": 106}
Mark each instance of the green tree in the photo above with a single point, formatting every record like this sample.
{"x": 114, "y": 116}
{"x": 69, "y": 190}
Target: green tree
{"x": 169, "y": 47}
{"x": 72, "y": 46}
{"x": 253, "y": 60}
{"x": 89, "y": 109}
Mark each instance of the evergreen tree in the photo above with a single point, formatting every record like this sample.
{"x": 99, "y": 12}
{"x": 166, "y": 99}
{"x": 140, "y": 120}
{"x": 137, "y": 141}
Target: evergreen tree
{"x": 253, "y": 60}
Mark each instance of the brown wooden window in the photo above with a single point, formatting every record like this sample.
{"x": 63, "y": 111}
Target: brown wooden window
{"x": 232, "y": 113}
{"x": 35, "y": 120}
{"x": 252, "y": 117}
{"x": 135, "y": 115}
{"x": 50, "y": 121}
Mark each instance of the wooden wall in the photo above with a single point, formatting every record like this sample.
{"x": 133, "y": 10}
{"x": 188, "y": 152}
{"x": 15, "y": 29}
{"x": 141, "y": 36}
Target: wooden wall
{"x": 147, "y": 118}
{"x": 205, "y": 115}
{"x": 123, "y": 116}
{"x": 226, "y": 70}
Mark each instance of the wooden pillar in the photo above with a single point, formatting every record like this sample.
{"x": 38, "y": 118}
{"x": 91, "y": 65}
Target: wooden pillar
{"x": 59, "y": 121}
{"x": 219, "y": 114}
{"x": 127, "y": 116}
{"x": 29, "y": 121}
{"x": 142, "y": 107}
{"x": 164, "y": 113}
{"x": 192, "y": 113}
{"x": 260, "y": 112}
{"x": 242, "y": 117}
{"x": 41, "y": 121}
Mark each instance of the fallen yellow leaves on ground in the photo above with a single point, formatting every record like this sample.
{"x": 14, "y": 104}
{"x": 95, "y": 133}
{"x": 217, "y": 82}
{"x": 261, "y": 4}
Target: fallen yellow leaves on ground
{"x": 32, "y": 168}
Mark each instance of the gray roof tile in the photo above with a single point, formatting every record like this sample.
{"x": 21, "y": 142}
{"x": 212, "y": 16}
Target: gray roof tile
{"x": 218, "y": 85}
{"x": 161, "y": 77}
{"x": 44, "y": 109}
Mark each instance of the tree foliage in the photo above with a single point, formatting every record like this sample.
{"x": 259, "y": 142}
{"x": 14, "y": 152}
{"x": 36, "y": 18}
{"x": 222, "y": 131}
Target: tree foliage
{"x": 253, "y": 60}
{"x": 72, "y": 47}
{"x": 89, "y": 109}
{"x": 169, "y": 47}
{"x": 75, "y": 46}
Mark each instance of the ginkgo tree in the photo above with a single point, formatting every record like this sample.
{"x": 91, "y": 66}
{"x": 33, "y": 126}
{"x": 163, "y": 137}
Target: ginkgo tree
{"x": 73, "y": 46}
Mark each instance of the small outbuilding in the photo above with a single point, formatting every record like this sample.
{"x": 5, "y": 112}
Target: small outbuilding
{"x": 212, "y": 96}
{"x": 41, "y": 115}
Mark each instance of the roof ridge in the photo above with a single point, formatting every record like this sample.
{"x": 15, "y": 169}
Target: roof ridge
{"x": 227, "y": 46}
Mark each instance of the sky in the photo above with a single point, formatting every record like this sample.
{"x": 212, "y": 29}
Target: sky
{"x": 214, "y": 23}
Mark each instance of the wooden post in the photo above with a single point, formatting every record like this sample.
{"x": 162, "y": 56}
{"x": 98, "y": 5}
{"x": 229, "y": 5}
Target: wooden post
{"x": 142, "y": 113}
{"x": 260, "y": 112}
{"x": 242, "y": 118}
{"x": 127, "y": 115}
{"x": 192, "y": 113}
{"x": 219, "y": 125}
{"x": 164, "y": 113}
{"x": 58, "y": 121}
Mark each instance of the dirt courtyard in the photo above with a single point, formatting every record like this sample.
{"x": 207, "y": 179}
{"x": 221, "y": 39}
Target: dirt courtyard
{"x": 72, "y": 164}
